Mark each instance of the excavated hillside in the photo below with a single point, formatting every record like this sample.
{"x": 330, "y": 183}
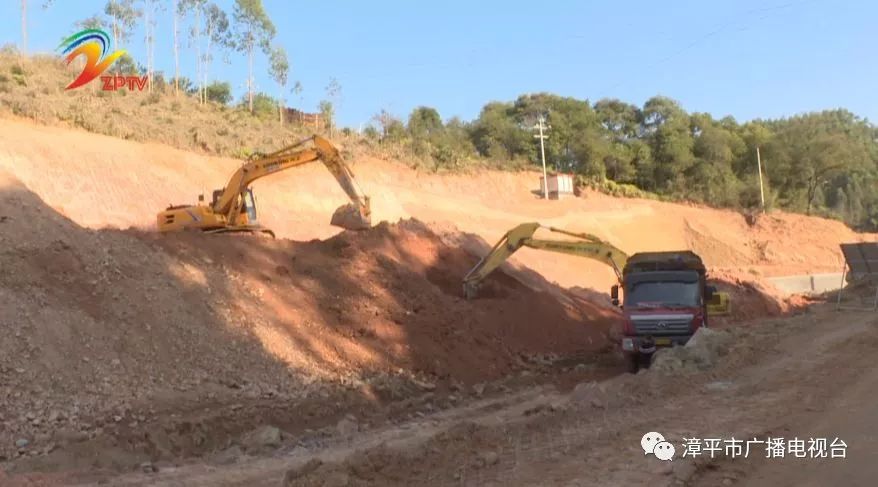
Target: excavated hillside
{"x": 134, "y": 345}
{"x": 100, "y": 181}
{"x": 108, "y": 324}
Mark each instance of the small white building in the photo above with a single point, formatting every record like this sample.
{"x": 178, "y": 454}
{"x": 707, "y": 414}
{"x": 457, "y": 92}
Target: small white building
{"x": 560, "y": 185}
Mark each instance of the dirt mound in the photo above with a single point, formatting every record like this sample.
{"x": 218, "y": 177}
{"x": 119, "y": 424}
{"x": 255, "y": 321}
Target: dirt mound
{"x": 752, "y": 297}
{"x": 109, "y": 328}
{"x": 701, "y": 352}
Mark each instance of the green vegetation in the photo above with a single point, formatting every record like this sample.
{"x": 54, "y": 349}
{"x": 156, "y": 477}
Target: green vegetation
{"x": 822, "y": 163}
{"x": 215, "y": 127}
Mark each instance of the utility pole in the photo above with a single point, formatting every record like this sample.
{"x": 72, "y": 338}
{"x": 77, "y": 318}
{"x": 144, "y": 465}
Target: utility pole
{"x": 759, "y": 167}
{"x": 542, "y": 138}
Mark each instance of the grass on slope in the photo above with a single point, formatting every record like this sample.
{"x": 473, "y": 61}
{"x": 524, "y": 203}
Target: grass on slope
{"x": 33, "y": 88}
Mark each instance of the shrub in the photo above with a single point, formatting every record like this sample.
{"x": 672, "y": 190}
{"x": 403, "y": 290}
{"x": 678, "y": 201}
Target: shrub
{"x": 219, "y": 92}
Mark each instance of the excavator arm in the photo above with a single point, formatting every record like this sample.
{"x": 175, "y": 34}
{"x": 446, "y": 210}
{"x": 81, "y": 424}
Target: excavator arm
{"x": 354, "y": 216}
{"x": 586, "y": 245}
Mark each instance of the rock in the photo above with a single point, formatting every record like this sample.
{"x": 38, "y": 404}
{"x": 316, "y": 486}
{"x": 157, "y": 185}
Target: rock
{"x": 684, "y": 470}
{"x": 263, "y": 437}
{"x": 301, "y": 471}
{"x": 67, "y": 436}
{"x": 490, "y": 458}
{"x": 728, "y": 481}
{"x": 589, "y": 394}
{"x": 479, "y": 389}
{"x": 701, "y": 352}
{"x": 148, "y": 467}
{"x": 22, "y": 443}
{"x": 337, "y": 479}
{"x": 718, "y": 385}
{"x": 228, "y": 456}
{"x": 347, "y": 426}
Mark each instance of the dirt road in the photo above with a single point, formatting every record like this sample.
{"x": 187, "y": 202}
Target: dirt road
{"x": 805, "y": 376}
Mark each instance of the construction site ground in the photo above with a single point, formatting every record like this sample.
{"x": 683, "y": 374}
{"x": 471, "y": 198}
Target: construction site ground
{"x": 327, "y": 358}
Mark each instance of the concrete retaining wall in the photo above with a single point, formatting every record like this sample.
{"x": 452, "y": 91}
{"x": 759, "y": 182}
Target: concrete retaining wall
{"x": 807, "y": 284}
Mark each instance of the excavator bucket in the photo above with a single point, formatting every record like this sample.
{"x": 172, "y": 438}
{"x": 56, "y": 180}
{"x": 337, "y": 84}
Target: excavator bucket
{"x": 350, "y": 217}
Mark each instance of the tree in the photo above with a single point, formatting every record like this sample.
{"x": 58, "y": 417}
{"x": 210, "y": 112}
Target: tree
{"x": 216, "y": 24}
{"x": 175, "y": 11}
{"x": 279, "y": 70}
{"x": 667, "y": 131}
{"x": 123, "y": 15}
{"x": 253, "y": 28}
{"x": 425, "y": 128}
{"x": 333, "y": 93}
{"x": 327, "y": 113}
{"x": 424, "y": 123}
{"x": 195, "y": 9}
{"x": 297, "y": 90}
{"x": 219, "y": 92}
{"x": 93, "y": 22}
{"x": 392, "y": 128}
{"x": 497, "y": 134}
{"x": 150, "y": 12}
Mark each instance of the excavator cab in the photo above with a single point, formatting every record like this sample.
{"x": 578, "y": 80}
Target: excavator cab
{"x": 248, "y": 206}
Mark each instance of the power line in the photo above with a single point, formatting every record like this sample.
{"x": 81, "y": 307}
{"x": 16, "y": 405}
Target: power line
{"x": 714, "y": 32}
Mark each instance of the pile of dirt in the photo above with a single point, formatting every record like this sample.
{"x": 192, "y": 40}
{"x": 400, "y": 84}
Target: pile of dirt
{"x": 701, "y": 352}
{"x": 753, "y": 297}
{"x": 109, "y": 329}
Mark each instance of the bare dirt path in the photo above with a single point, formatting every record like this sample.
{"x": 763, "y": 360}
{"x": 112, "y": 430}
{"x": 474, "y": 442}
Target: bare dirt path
{"x": 809, "y": 375}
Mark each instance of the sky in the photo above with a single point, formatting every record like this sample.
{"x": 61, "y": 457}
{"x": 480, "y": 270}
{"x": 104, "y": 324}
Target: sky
{"x": 744, "y": 58}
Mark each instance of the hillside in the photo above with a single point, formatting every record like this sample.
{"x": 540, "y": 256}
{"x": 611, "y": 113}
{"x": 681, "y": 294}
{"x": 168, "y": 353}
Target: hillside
{"x": 124, "y": 339}
{"x": 99, "y": 181}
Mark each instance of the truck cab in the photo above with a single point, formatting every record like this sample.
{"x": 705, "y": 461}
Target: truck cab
{"x": 665, "y": 299}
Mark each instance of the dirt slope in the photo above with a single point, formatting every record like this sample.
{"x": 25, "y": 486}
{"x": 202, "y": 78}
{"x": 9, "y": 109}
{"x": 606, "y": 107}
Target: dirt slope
{"x": 100, "y": 181}
{"x": 108, "y": 323}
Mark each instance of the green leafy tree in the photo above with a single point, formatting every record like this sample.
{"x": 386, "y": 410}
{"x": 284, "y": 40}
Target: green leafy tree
{"x": 425, "y": 130}
{"x": 219, "y": 92}
{"x": 497, "y": 134}
{"x": 253, "y": 29}
{"x": 264, "y": 106}
{"x": 666, "y": 126}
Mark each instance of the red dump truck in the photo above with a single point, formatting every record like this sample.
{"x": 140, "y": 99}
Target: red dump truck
{"x": 665, "y": 301}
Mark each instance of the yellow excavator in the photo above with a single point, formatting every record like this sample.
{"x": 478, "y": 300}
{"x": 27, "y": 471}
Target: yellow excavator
{"x": 585, "y": 245}
{"x": 233, "y": 208}
{"x": 667, "y": 298}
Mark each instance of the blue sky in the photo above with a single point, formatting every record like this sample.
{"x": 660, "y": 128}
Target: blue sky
{"x": 745, "y": 58}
